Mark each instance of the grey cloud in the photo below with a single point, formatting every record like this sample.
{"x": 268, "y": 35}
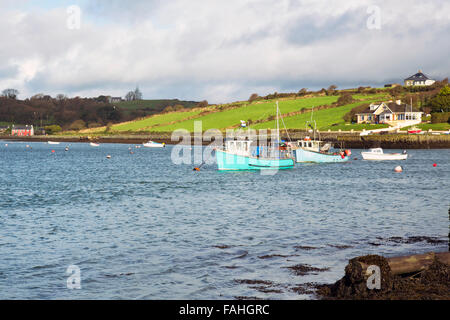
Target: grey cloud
{"x": 223, "y": 50}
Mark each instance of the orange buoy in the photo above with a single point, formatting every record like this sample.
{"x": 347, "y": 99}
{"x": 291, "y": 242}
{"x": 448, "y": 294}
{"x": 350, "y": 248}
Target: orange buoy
{"x": 53, "y": 151}
{"x": 434, "y": 165}
{"x": 398, "y": 169}
{"x": 196, "y": 169}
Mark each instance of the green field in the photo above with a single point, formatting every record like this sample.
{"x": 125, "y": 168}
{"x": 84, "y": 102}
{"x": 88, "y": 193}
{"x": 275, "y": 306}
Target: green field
{"x": 154, "y": 120}
{"x": 434, "y": 126}
{"x": 255, "y": 111}
{"x": 324, "y": 118}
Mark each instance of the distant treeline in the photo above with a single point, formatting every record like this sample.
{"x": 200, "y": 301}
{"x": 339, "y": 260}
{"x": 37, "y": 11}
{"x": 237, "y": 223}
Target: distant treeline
{"x": 79, "y": 113}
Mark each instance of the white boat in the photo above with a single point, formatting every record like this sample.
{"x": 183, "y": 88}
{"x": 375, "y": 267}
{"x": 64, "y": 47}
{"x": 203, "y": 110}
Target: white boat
{"x": 93, "y": 144}
{"x": 152, "y": 144}
{"x": 378, "y": 154}
{"x": 53, "y": 142}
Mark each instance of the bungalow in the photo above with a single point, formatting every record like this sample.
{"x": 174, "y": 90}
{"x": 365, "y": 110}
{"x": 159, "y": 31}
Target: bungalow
{"x": 114, "y": 99}
{"x": 22, "y": 131}
{"x": 388, "y": 112}
{"x": 419, "y": 79}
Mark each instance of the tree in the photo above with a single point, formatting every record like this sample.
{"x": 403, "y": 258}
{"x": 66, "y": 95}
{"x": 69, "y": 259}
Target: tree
{"x": 137, "y": 94}
{"x": 61, "y": 97}
{"x": 52, "y": 129}
{"x": 253, "y": 97}
{"x": 78, "y": 125}
{"x": 346, "y": 98}
{"x": 178, "y": 107}
{"x": 10, "y": 93}
{"x": 302, "y": 91}
{"x": 445, "y": 91}
{"x": 130, "y": 96}
{"x": 202, "y": 104}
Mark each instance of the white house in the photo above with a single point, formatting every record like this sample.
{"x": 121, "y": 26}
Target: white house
{"x": 388, "y": 112}
{"x": 419, "y": 79}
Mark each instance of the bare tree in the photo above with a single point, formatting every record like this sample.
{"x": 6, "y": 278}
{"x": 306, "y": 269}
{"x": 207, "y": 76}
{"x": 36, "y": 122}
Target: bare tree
{"x": 137, "y": 94}
{"x": 61, "y": 97}
{"x": 10, "y": 93}
{"x": 130, "y": 96}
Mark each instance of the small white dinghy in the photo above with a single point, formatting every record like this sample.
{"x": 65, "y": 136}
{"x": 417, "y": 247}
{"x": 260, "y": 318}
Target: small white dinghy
{"x": 93, "y": 144}
{"x": 152, "y": 144}
{"x": 53, "y": 142}
{"x": 378, "y": 154}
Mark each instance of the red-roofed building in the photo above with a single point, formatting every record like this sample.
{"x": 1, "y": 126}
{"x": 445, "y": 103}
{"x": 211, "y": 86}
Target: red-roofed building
{"x": 21, "y": 131}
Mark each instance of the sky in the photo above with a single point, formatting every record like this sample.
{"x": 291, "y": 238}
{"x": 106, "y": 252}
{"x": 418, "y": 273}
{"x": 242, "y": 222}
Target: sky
{"x": 221, "y": 51}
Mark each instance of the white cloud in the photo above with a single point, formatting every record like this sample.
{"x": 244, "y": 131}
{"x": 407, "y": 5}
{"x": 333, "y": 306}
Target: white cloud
{"x": 221, "y": 51}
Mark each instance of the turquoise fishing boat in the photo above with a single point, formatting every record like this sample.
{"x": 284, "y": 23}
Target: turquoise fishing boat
{"x": 248, "y": 155}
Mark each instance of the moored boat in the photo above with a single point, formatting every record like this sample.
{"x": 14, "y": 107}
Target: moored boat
{"x": 53, "y": 142}
{"x": 152, "y": 144}
{"x": 93, "y": 144}
{"x": 316, "y": 151}
{"x": 377, "y": 154}
{"x": 248, "y": 155}
{"x": 414, "y": 130}
{"x": 303, "y": 155}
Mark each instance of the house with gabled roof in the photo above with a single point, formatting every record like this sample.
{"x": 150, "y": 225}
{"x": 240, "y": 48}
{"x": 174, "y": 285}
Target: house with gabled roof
{"x": 419, "y": 79}
{"x": 389, "y": 112}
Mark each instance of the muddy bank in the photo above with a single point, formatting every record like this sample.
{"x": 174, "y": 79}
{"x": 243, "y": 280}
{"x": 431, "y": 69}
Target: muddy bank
{"x": 339, "y": 139}
{"x": 398, "y": 279}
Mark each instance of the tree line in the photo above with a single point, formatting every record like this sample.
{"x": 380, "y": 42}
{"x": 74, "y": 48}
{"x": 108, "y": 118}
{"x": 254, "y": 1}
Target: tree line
{"x": 43, "y": 110}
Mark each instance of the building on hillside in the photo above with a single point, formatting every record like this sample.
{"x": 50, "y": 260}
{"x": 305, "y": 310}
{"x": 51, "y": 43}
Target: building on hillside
{"x": 114, "y": 99}
{"x": 389, "y": 112}
{"x": 22, "y": 131}
{"x": 392, "y": 85}
{"x": 3, "y": 129}
{"x": 419, "y": 79}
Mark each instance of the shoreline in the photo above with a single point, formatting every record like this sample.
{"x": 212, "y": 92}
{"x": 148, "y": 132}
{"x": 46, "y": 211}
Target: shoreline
{"x": 350, "y": 140}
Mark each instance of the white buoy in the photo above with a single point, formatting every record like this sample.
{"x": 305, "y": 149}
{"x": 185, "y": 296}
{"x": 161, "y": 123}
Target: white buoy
{"x": 108, "y": 157}
{"x": 398, "y": 169}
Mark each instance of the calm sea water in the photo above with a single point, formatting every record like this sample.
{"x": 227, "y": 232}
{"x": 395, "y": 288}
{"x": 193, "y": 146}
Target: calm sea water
{"x": 140, "y": 227}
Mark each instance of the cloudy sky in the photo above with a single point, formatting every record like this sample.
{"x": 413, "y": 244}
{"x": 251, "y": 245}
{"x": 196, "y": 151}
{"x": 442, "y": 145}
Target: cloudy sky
{"x": 217, "y": 50}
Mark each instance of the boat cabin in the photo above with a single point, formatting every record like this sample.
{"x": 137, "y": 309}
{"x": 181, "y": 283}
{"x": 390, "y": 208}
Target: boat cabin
{"x": 308, "y": 144}
{"x": 376, "y": 150}
{"x": 239, "y": 147}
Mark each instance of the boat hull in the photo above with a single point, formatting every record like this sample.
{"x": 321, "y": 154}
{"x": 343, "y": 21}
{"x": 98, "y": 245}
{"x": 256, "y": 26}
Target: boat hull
{"x": 230, "y": 161}
{"x": 302, "y": 155}
{"x": 384, "y": 156}
{"x": 153, "y": 145}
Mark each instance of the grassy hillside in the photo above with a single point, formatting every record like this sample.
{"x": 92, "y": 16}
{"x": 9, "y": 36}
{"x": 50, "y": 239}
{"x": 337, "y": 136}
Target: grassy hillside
{"x": 254, "y": 111}
{"x": 325, "y": 119}
{"x": 260, "y": 113}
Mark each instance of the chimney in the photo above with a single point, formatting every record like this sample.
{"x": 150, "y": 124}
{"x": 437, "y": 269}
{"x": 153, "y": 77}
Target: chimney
{"x": 399, "y": 102}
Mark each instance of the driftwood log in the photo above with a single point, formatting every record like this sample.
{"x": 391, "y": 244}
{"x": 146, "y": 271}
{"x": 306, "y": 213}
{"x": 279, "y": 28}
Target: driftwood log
{"x": 421, "y": 276}
{"x": 411, "y": 264}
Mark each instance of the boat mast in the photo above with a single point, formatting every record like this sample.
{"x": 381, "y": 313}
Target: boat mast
{"x": 278, "y": 125}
